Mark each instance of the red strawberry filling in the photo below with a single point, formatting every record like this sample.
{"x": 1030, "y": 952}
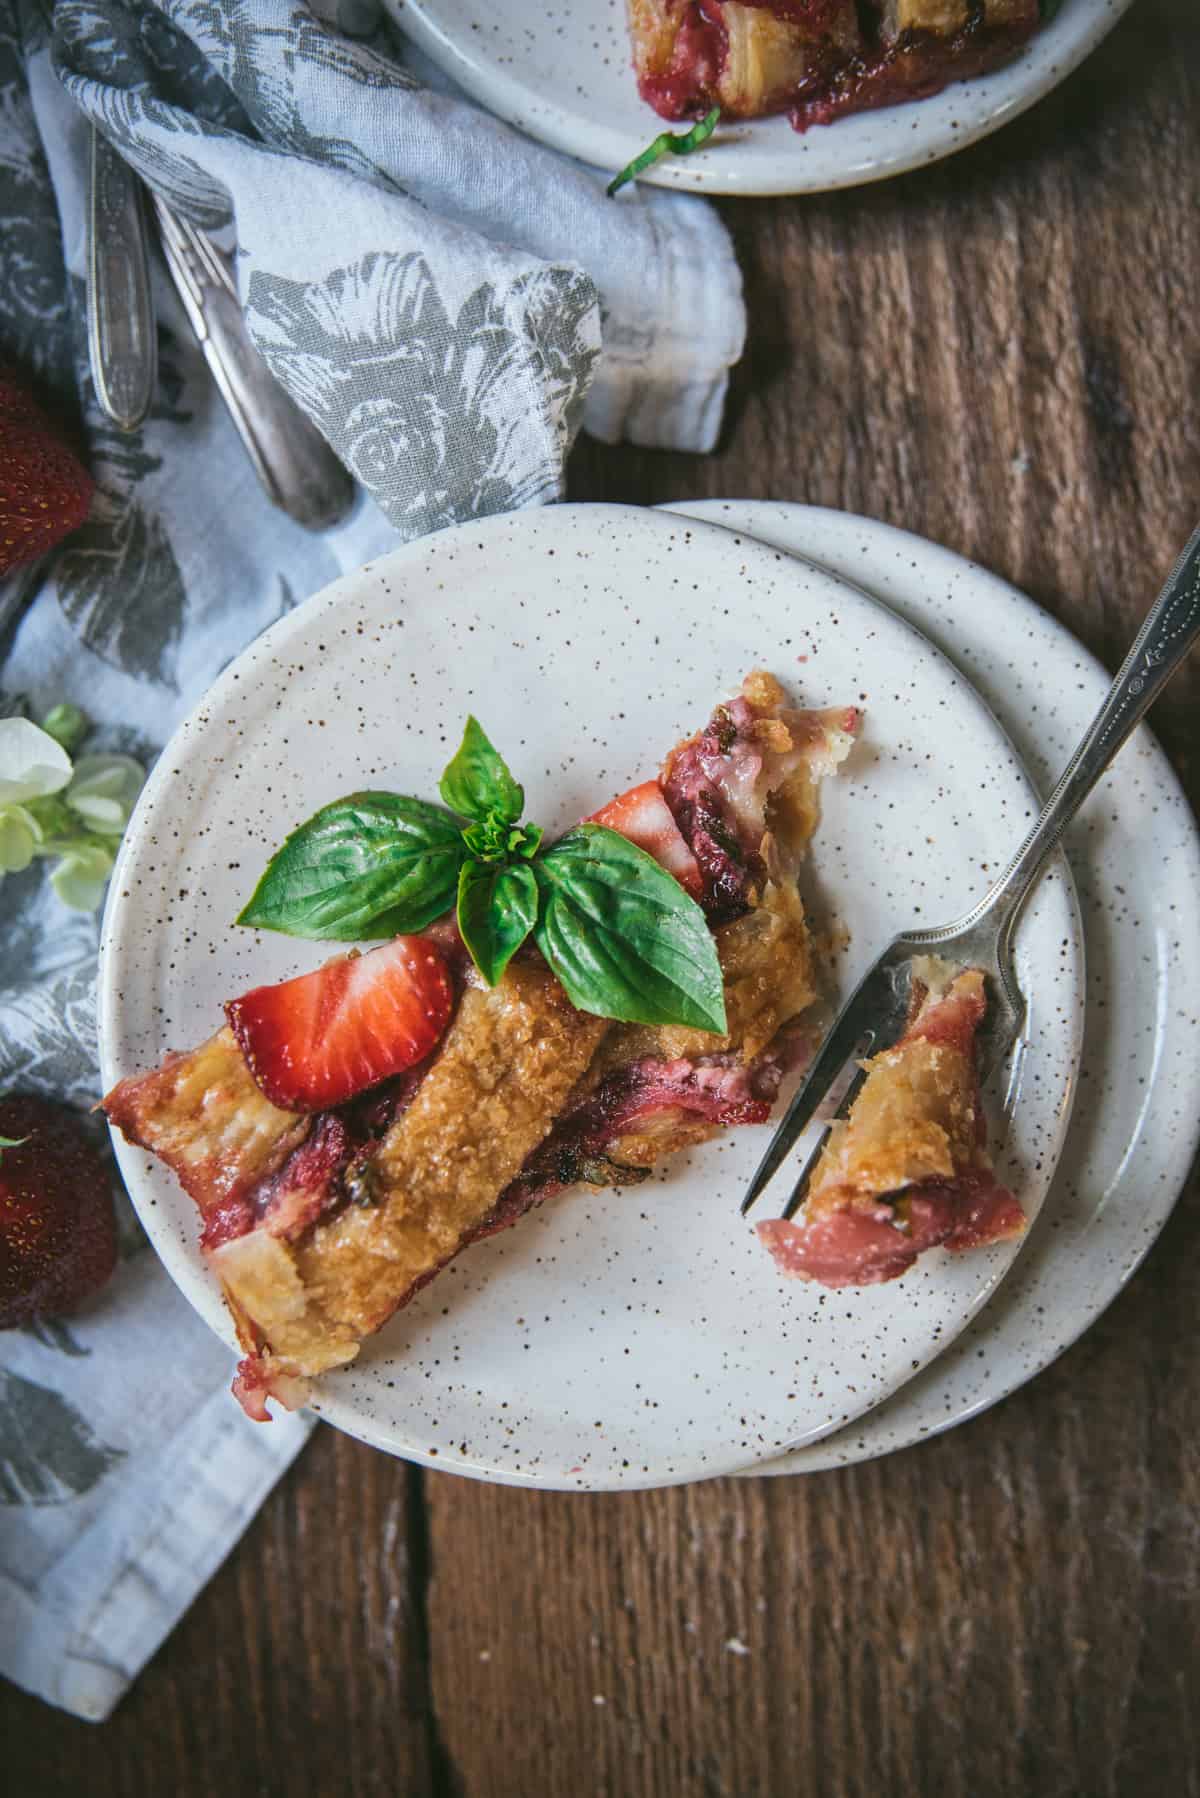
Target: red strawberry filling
{"x": 717, "y": 785}
{"x": 847, "y": 60}
{"x": 865, "y": 1247}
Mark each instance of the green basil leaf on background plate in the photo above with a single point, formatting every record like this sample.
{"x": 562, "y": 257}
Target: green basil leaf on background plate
{"x": 477, "y": 782}
{"x": 369, "y": 865}
{"x": 623, "y": 937}
{"x": 497, "y": 909}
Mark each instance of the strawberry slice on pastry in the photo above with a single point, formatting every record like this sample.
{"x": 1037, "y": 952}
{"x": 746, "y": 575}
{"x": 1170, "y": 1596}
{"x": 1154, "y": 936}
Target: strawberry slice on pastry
{"x": 644, "y": 817}
{"x": 315, "y": 1041}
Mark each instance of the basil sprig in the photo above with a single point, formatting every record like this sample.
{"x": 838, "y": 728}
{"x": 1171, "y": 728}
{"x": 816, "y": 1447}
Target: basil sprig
{"x": 618, "y": 931}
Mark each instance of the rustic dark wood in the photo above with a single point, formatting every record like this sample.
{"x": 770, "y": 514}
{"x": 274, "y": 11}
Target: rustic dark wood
{"x": 1003, "y": 353}
{"x": 301, "y": 1668}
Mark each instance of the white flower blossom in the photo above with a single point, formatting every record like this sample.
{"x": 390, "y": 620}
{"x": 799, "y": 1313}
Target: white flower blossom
{"x": 76, "y": 815}
{"x": 82, "y": 875}
{"x": 32, "y": 764}
{"x": 19, "y": 838}
{"x": 104, "y": 790}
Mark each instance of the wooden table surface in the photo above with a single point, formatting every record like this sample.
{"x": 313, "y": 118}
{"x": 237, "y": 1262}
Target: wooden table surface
{"x": 1003, "y": 353}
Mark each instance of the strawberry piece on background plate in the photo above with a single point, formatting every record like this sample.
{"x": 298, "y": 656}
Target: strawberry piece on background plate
{"x": 316, "y": 1041}
{"x": 644, "y": 818}
{"x": 58, "y": 1228}
{"x": 45, "y": 491}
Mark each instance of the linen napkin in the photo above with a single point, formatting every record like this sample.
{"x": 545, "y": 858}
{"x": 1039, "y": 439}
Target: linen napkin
{"x": 447, "y": 301}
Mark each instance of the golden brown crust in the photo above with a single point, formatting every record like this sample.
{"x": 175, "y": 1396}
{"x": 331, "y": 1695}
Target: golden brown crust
{"x": 204, "y": 1116}
{"x": 916, "y": 1117}
{"x": 765, "y": 60}
{"x": 941, "y": 17}
{"x": 507, "y": 1063}
{"x": 654, "y": 26}
{"x": 767, "y": 961}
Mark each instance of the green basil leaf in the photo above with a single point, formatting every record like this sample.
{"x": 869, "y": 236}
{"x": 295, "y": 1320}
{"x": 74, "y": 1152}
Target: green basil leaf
{"x": 623, "y": 937}
{"x": 369, "y": 865}
{"x": 497, "y": 908}
{"x": 525, "y": 841}
{"x": 495, "y": 841}
{"x": 477, "y": 782}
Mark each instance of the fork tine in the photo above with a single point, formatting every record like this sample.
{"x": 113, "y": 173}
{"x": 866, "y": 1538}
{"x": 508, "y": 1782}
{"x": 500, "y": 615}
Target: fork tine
{"x": 800, "y": 1189}
{"x": 849, "y": 1028}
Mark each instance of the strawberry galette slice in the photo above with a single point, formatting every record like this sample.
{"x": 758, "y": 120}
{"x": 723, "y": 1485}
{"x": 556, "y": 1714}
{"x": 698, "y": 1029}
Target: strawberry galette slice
{"x": 320, "y": 1223}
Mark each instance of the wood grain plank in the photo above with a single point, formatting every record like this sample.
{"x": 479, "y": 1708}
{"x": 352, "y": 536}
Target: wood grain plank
{"x": 300, "y": 1669}
{"x": 1009, "y": 1609}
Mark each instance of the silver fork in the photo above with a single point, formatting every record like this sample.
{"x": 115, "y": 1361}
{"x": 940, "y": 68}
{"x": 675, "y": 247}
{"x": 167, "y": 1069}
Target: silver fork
{"x": 121, "y": 342}
{"x": 875, "y": 1014}
{"x": 298, "y": 470}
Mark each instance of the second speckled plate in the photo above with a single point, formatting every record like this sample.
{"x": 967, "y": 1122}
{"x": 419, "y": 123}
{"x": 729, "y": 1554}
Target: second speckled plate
{"x": 627, "y": 1338}
{"x": 1135, "y": 852}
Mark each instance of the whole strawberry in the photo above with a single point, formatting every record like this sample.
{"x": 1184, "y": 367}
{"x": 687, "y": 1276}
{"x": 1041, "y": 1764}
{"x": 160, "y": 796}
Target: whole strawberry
{"x": 45, "y": 491}
{"x": 58, "y": 1230}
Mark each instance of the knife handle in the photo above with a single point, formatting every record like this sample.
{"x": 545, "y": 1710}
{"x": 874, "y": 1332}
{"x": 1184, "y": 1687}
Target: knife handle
{"x": 297, "y": 468}
{"x": 121, "y": 334}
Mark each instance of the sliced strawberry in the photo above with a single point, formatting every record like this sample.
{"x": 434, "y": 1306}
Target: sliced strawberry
{"x": 45, "y": 491}
{"x": 317, "y": 1040}
{"x": 644, "y": 817}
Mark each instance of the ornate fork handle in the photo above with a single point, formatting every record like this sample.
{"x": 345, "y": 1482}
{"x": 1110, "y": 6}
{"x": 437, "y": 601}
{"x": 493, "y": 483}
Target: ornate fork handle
{"x": 121, "y": 335}
{"x": 1171, "y": 628}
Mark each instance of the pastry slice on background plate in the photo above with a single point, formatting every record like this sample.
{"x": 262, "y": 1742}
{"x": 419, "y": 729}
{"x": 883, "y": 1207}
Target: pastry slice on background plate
{"x": 816, "y": 59}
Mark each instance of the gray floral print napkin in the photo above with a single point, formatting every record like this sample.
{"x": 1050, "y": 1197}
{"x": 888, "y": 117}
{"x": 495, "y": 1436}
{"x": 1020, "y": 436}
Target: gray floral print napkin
{"x": 449, "y": 302}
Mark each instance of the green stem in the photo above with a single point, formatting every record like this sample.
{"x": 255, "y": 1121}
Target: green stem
{"x": 669, "y": 143}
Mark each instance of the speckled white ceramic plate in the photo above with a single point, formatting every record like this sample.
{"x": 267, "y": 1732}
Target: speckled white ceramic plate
{"x": 1135, "y": 853}
{"x": 561, "y": 71}
{"x": 629, "y": 1338}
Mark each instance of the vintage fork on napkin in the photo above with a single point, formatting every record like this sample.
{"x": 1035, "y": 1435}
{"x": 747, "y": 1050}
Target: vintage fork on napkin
{"x": 297, "y": 468}
{"x": 875, "y": 1014}
{"x": 121, "y": 341}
